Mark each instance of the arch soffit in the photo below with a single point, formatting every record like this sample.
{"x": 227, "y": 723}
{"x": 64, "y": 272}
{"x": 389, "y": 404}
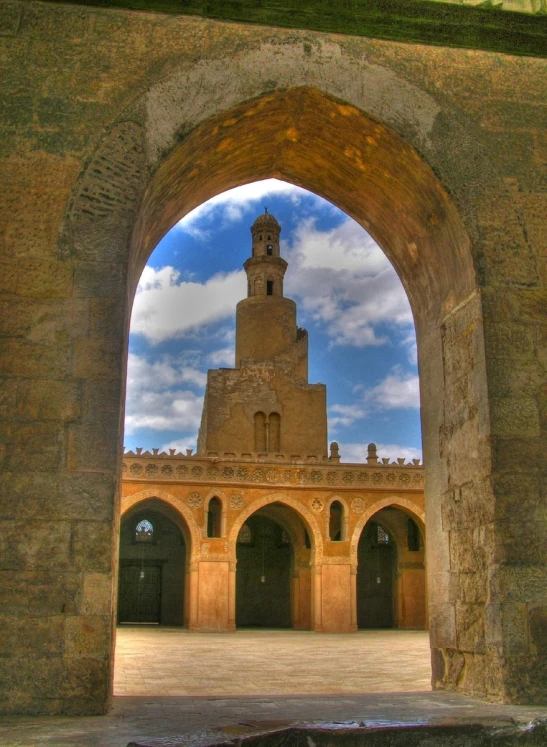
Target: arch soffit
{"x": 404, "y": 504}
{"x": 130, "y": 501}
{"x": 288, "y": 521}
{"x": 306, "y": 516}
{"x": 335, "y": 149}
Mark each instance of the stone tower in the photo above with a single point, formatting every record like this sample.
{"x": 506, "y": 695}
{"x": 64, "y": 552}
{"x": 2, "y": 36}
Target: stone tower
{"x": 265, "y": 405}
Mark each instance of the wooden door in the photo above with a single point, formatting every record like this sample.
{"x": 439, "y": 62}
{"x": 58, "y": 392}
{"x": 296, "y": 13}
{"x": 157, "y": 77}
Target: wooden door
{"x": 140, "y": 593}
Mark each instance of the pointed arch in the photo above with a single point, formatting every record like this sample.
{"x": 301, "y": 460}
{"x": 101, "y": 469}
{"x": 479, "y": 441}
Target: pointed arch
{"x": 408, "y": 507}
{"x": 305, "y": 514}
{"x": 130, "y": 501}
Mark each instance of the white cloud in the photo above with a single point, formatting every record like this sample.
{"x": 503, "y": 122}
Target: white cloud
{"x": 167, "y": 307}
{"x": 222, "y": 358}
{"x": 180, "y": 444}
{"x": 344, "y": 415}
{"x": 161, "y": 374}
{"x": 163, "y": 411}
{"x": 399, "y": 389}
{"x": 235, "y": 203}
{"x": 357, "y": 452}
{"x": 158, "y": 397}
{"x": 343, "y": 280}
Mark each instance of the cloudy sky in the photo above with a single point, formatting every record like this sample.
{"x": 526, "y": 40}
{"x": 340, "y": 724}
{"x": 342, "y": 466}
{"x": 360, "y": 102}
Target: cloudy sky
{"x": 361, "y": 335}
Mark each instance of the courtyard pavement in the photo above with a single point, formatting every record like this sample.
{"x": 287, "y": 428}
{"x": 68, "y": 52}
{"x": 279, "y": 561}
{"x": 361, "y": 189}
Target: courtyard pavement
{"x": 173, "y": 684}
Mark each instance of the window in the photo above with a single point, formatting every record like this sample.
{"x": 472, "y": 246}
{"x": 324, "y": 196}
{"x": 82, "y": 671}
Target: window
{"x": 413, "y": 534}
{"x": 335, "y": 521}
{"x": 260, "y": 431}
{"x": 283, "y": 539}
{"x": 382, "y": 537}
{"x": 275, "y": 433}
{"x": 245, "y": 536}
{"x": 214, "y": 515}
{"x": 269, "y": 250}
{"x": 269, "y": 287}
{"x": 144, "y": 531}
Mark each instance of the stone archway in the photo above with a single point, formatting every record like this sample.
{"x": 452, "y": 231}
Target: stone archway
{"x": 431, "y": 251}
{"x": 384, "y": 142}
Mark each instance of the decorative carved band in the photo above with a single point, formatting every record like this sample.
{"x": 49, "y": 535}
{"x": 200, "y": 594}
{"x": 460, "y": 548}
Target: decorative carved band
{"x": 164, "y": 468}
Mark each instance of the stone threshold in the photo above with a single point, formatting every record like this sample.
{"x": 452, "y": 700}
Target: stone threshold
{"x": 459, "y": 732}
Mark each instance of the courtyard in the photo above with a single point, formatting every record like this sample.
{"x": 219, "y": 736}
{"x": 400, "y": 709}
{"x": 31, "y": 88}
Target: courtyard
{"x": 153, "y": 660}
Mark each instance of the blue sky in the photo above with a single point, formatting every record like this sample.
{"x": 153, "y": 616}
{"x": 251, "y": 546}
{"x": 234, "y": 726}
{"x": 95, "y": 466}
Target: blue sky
{"x": 361, "y": 335}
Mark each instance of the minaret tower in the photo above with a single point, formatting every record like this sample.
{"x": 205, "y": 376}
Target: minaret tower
{"x": 266, "y": 320}
{"x": 265, "y": 405}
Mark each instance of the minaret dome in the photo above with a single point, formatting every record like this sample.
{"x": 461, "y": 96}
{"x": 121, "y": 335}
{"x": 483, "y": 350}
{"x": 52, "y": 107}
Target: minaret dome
{"x": 265, "y": 232}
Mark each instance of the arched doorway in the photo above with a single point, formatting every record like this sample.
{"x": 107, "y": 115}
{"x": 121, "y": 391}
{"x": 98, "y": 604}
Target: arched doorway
{"x": 152, "y": 566}
{"x": 274, "y": 555}
{"x": 264, "y": 570}
{"x": 391, "y": 586}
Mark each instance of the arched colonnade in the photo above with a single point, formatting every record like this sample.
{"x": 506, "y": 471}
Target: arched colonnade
{"x": 323, "y": 571}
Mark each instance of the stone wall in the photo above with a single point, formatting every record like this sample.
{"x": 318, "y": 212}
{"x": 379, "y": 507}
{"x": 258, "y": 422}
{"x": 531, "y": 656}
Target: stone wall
{"x": 115, "y": 125}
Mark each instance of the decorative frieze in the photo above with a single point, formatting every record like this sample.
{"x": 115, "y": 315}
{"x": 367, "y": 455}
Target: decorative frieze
{"x": 306, "y": 473}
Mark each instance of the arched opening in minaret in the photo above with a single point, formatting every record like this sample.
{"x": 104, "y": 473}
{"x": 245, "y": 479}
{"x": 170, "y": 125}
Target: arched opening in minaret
{"x": 273, "y": 572}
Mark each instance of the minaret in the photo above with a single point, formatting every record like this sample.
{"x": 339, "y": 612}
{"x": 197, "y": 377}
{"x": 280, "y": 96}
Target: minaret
{"x": 266, "y": 320}
{"x": 265, "y": 405}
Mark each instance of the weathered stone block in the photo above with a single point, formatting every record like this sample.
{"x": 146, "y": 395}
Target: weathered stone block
{"x": 47, "y": 320}
{"x": 27, "y": 495}
{"x": 517, "y": 497}
{"x": 92, "y": 546}
{"x": 470, "y": 627}
{"x": 522, "y": 584}
{"x": 88, "y": 635}
{"x": 44, "y": 279}
{"x": 99, "y": 280}
{"x": 35, "y": 544}
{"x": 47, "y": 399}
{"x": 97, "y": 594}
{"x": 35, "y": 360}
{"x": 106, "y": 318}
{"x": 36, "y": 636}
{"x": 514, "y": 416}
{"x": 92, "y": 447}
{"x": 8, "y": 277}
{"x": 37, "y": 593}
{"x": 520, "y": 542}
{"x": 514, "y": 624}
{"x": 442, "y": 621}
{"x": 97, "y": 358}
{"x": 102, "y": 400}
{"x": 35, "y": 445}
{"x": 8, "y": 394}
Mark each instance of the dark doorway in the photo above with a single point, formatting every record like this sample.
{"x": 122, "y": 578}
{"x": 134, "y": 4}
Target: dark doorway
{"x": 264, "y": 571}
{"x": 140, "y": 594}
{"x": 376, "y": 563}
{"x": 152, "y": 568}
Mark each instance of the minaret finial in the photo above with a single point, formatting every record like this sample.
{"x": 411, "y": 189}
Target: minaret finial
{"x": 265, "y": 208}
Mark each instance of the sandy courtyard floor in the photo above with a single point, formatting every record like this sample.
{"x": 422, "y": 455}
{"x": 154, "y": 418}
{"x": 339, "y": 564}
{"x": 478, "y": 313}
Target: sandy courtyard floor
{"x": 172, "y": 661}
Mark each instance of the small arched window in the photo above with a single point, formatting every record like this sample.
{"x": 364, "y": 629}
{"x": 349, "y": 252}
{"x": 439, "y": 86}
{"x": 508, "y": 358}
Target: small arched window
{"x": 269, "y": 287}
{"x": 382, "y": 537}
{"x": 336, "y": 521}
{"x": 144, "y": 531}
{"x": 269, "y": 249}
{"x": 413, "y": 534}
{"x": 245, "y": 536}
{"x": 275, "y": 433}
{"x": 260, "y": 431}
{"x": 284, "y": 539}
{"x": 214, "y": 516}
